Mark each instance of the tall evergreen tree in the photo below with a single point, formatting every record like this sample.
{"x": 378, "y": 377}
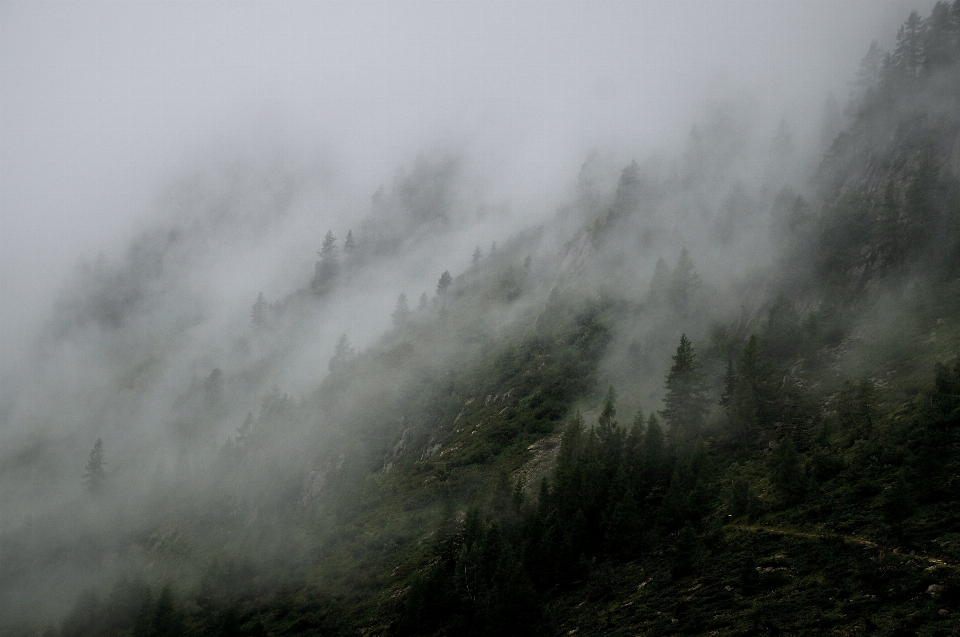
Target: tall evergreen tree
{"x": 342, "y": 353}
{"x": 786, "y": 472}
{"x": 258, "y": 313}
{"x": 685, "y": 405}
{"x": 402, "y": 312}
{"x": 607, "y": 428}
{"x": 95, "y": 474}
{"x": 659, "y": 282}
{"x": 729, "y": 384}
{"x": 908, "y": 53}
{"x": 327, "y": 267}
{"x": 444, "y": 283}
{"x": 684, "y": 283}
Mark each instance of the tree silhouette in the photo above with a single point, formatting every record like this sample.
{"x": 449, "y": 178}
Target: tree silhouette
{"x": 95, "y": 475}
{"x": 341, "y": 353}
{"x": 685, "y": 405}
{"x": 444, "y": 283}
{"x": 258, "y": 314}
{"x": 402, "y": 311}
{"x": 684, "y": 282}
{"x": 327, "y": 267}
{"x": 786, "y": 472}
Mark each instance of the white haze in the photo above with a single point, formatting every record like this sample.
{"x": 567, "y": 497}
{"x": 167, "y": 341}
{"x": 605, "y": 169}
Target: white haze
{"x": 226, "y": 139}
{"x": 103, "y": 103}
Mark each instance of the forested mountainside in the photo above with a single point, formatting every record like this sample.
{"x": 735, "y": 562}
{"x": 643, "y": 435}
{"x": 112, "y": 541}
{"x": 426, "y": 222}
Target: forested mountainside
{"x": 611, "y": 424}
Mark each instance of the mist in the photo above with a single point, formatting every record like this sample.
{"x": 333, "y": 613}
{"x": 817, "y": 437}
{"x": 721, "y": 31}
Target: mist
{"x": 162, "y": 165}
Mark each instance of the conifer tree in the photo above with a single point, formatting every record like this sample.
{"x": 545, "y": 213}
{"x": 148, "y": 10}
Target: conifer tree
{"x": 660, "y": 282}
{"x": 786, "y": 472}
{"x": 897, "y": 504}
{"x": 652, "y": 447}
{"x": 327, "y": 267}
{"x": 729, "y": 384}
{"x": 402, "y": 312}
{"x": 258, "y": 313}
{"x": 684, "y": 283}
{"x": 475, "y": 260}
{"x": 342, "y": 353}
{"x": 95, "y": 474}
{"x": 444, "y": 283}
{"x": 685, "y": 405}
{"x": 607, "y": 428}
{"x": 754, "y": 399}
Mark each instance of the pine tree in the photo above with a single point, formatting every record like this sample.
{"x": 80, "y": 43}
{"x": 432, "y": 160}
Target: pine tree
{"x": 475, "y": 260}
{"x": 423, "y": 302}
{"x": 402, "y": 311}
{"x": 754, "y": 401}
{"x": 684, "y": 283}
{"x": 258, "y": 314}
{"x": 342, "y": 353}
{"x": 685, "y": 405}
{"x": 652, "y": 447}
{"x": 908, "y": 53}
{"x": 349, "y": 246}
{"x": 95, "y": 475}
{"x": 327, "y": 267}
{"x": 607, "y": 428}
{"x": 660, "y": 282}
{"x": 897, "y": 504}
{"x": 729, "y": 384}
{"x": 444, "y": 283}
{"x": 628, "y": 189}
{"x": 786, "y": 472}
{"x": 938, "y": 43}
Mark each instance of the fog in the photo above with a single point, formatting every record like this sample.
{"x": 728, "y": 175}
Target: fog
{"x": 161, "y": 164}
{"x": 103, "y": 103}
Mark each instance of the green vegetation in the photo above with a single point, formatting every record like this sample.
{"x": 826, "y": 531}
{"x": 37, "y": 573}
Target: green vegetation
{"x": 468, "y": 475}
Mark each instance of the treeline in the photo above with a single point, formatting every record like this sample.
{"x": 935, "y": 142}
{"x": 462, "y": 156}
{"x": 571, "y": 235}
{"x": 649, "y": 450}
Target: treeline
{"x": 639, "y": 495}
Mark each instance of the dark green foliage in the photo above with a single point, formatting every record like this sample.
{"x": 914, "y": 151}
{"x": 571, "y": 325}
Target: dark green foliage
{"x": 159, "y": 618}
{"x": 786, "y": 473}
{"x": 813, "y": 506}
{"x": 754, "y": 401}
{"x": 685, "y": 404}
{"x": 687, "y": 553}
{"x": 897, "y": 504}
{"x": 740, "y": 499}
{"x": 856, "y": 406}
{"x": 729, "y": 384}
{"x": 783, "y": 335}
{"x": 845, "y": 228}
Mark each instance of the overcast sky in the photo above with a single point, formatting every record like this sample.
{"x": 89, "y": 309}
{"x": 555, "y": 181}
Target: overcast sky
{"x": 102, "y": 102}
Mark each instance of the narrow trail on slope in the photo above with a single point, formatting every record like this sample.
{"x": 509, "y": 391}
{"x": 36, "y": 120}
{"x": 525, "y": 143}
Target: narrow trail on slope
{"x": 774, "y": 530}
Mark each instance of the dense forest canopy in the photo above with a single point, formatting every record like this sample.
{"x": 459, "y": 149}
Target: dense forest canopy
{"x": 612, "y": 422}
